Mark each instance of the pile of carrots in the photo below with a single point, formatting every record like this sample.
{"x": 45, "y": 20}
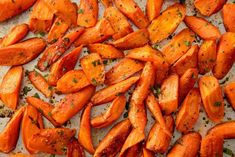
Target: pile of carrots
{"x": 164, "y": 81}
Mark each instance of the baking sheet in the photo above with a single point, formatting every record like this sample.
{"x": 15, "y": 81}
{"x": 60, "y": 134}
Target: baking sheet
{"x": 202, "y": 125}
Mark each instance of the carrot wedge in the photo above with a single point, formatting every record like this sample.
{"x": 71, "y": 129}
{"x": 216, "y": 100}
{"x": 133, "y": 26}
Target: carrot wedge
{"x": 111, "y": 114}
{"x": 71, "y": 104}
{"x": 168, "y": 99}
{"x": 178, "y": 46}
{"x": 162, "y": 71}
{"x": 16, "y": 34}
{"x": 224, "y": 130}
{"x": 153, "y": 9}
{"x": 133, "y": 40}
{"x": 54, "y": 51}
{"x": 212, "y": 97}
{"x": 40, "y": 83}
{"x": 21, "y": 155}
{"x": 99, "y": 33}
{"x": 131, "y": 10}
{"x": 114, "y": 139}
{"x": 84, "y": 135}
{"x": 122, "y": 70}
{"x": 118, "y": 21}
{"x": 147, "y": 153}
{"x": 63, "y": 65}
{"x": 166, "y": 23}
{"x": 10, "y": 134}
{"x": 230, "y": 94}
{"x": 202, "y": 27}
{"x": 87, "y": 13}
{"x": 10, "y": 87}
{"x": 21, "y": 53}
{"x": 74, "y": 149}
{"x": 133, "y": 151}
{"x": 229, "y": 17}
{"x": 188, "y": 145}
{"x": 109, "y": 93}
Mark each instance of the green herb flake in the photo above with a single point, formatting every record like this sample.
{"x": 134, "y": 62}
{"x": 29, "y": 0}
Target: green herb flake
{"x": 49, "y": 114}
{"x": 187, "y": 43}
{"x": 156, "y": 46}
{"x": 75, "y": 80}
{"x": 52, "y": 155}
{"x": 125, "y": 115}
{"x": 80, "y": 11}
{"x": 26, "y": 89}
{"x": 57, "y": 23}
{"x": 156, "y": 91}
{"x": 66, "y": 40}
{"x": 36, "y": 95}
{"x": 105, "y": 62}
{"x": 93, "y": 80}
{"x": 42, "y": 34}
{"x": 119, "y": 94}
{"x": 228, "y": 151}
{"x": 217, "y": 103}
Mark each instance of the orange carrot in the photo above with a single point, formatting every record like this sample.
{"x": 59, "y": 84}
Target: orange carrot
{"x": 224, "y": 130}
{"x": 74, "y": 149}
{"x": 153, "y": 9}
{"x": 229, "y": 17}
{"x": 230, "y": 94}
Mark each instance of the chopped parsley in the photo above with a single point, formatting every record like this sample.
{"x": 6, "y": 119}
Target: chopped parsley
{"x": 156, "y": 91}
{"x": 228, "y": 151}
{"x": 96, "y": 62}
{"x": 75, "y": 80}
{"x": 93, "y": 80}
{"x": 26, "y": 89}
{"x": 80, "y": 11}
{"x": 36, "y": 95}
{"x": 217, "y": 103}
{"x": 187, "y": 43}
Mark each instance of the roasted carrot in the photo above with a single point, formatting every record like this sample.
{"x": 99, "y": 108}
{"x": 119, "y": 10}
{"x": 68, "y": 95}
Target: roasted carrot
{"x": 100, "y": 32}
{"x": 87, "y": 13}
{"x": 109, "y": 93}
{"x": 84, "y": 135}
{"x": 114, "y": 139}
{"x": 138, "y": 116}
{"x": 10, "y": 87}
{"x": 229, "y": 17}
{"x": 168, "y": 98}
{"x": 224, "y": 130}
{"x": 122, "y": 70}
{"x": 112, "y": 113}
{"x": 161, "y": 72}
{"x": 118, "y": 21}
{"x": 153, "y": 9}
{"x": 131, "y": 10}
{"x": 178, "y": 46}
{"x": 21, "y": 155}
{"x": 74, "y": 149}
{"x": 54, "y": 51}
{"x": 107, "y": 3}
{"x": 225, "y": 55}
{"x": 187, "y": 61}
{"x": 9, "y": 136}
{"x": 133, "y": 151}
{"x": 229, "y": 91}
{"x": 41, "y": 17}
{"x": 71, "y": 105}
{"x": 207, "y": 56}
{"x": 212, "y": 97}
{"x": 16, "y": 34}
{"x": 166, "y": 23}
{"x": 202, "y": 27}
{"x": 63, "y": 65}
{"x": 40, "y": 83}
{"x": 133, "y": 40}
{"x": 105, "y": 51}
{"x": 147, "y": 153}
{"x": 21, "y": 53}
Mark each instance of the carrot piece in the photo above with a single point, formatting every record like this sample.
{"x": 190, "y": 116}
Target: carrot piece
{"x": 207, "y": 56}
{"x": 209, "y": 7}
{"x": 31, "y": 124}
{"x": 189, "y": 112}
{"x": 56, "y": 50}
{"x": 131, "y": 10}
{"x": 21, "y": 53}
{"x": 93, "y": 68}
{"x": 63, "y": 65}
{"x": 178, "y": 46}
{"x": 166, "y": 23}
{"x": 186, "y": 82}
{"x": 58, "y": 29}
{"x": 161, "y": 72}
{"x": 158, "y": 139}
{"x": 87, "y": 13}
{"x": 225, "y": 55}
{"x": 118, "y": 21}
{"x": 10, "y": 134}
{"x": 21, "y": 155}
{"x": 133, "y": 40}
{"x": 122, "y": 70}
{"x": 71, "y": 105}
{"x": 202, "y": 27}
{"x": 153, "y": 9}
{"x": 16, "y": 34}
{"x": 74, "y": 149}
{"x": 168, "y": 98}
{"x": 187, "y": 61}
{"x": 229, "y": 17}
{"x": 53, "y": 141}
{"x": 188, "y": 145}
{"x": 10, "y": 87}
{"x": 41, "y": 18}
{"x": 72, "y": 81}
{"x": 40, "y": 83}
{"x": 43, "y": 108}
{"x": 107, "y": 3}
{"x": 229, "y": 91}
{"x": 133, "y": 151}
{"x": 112, "y": 113}
{"x": 11, "y": 8}
{"x": 147, "y": 153}
{"x": 114, "y": 139}
{"x": 212, "y": 97}
{"x": 84, "y": 135}
{"x": 224, "y": 130}
{"x": 99, "y": 33}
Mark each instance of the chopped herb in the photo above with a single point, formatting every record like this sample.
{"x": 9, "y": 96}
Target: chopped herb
{"x": 105, "y": 62}
{"x": 80, "y": 11}
{"x": 26, "y": 89}
{"x": 156, "y": 91}
{"x": 179, "y": 13}
{"x": 187, "y": 43}
{"x": 49, "y": 114}
{"x": 60, "y": 132}
{"x": 193, "y": 76}
{"x": 66, "y": 40}
{"x": 26, "y": 72}
{"x": 228, "y": 151}
{"x": 226, "y": 79}
{"x": 50, "y": 88}
{"x": 46, "y": 75}
{"x": 125, "y": 115}
{"x": 119, "y": 94}
{"x": 156, "y": 46}
{"x": 40, "y": 110}
{"x": 93, "y": 80}
{"x": 57, "y": 23}
{"x": 96, "y": 62}
{"x": 36, "y": 95}
{"x": 53, "y": 41}
{"x": 180, "y": 142}
{"x": 42, "y": 34}
{"x": 52, "y": 155}
{"x": 46, "y": 64}
{"x": 217, "y": 103}
{"x": 64, "y": 149}
{"x": 75, "y": 80}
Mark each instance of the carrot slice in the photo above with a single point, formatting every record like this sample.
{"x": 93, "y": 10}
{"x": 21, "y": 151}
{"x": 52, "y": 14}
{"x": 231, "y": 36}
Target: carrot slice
{"x": 166, "y": 23}
{"x": 133, "y": 151}
{"x": 131, "y": 10}
{"x": 153, "y": 9}
{"x": 229, "y": 91}
{"x": 224, "y": 130}
{"x": 21, "y": 155}
{"x": 202, "y": 27}
{"x": 147, "y": 153}
{"x": 10, "y": 87}
{"x": 212, "y": 97}
{"x": 229, "y": 17}
{"x": 161, "y": 72}
{"x": 74, "y": 149}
